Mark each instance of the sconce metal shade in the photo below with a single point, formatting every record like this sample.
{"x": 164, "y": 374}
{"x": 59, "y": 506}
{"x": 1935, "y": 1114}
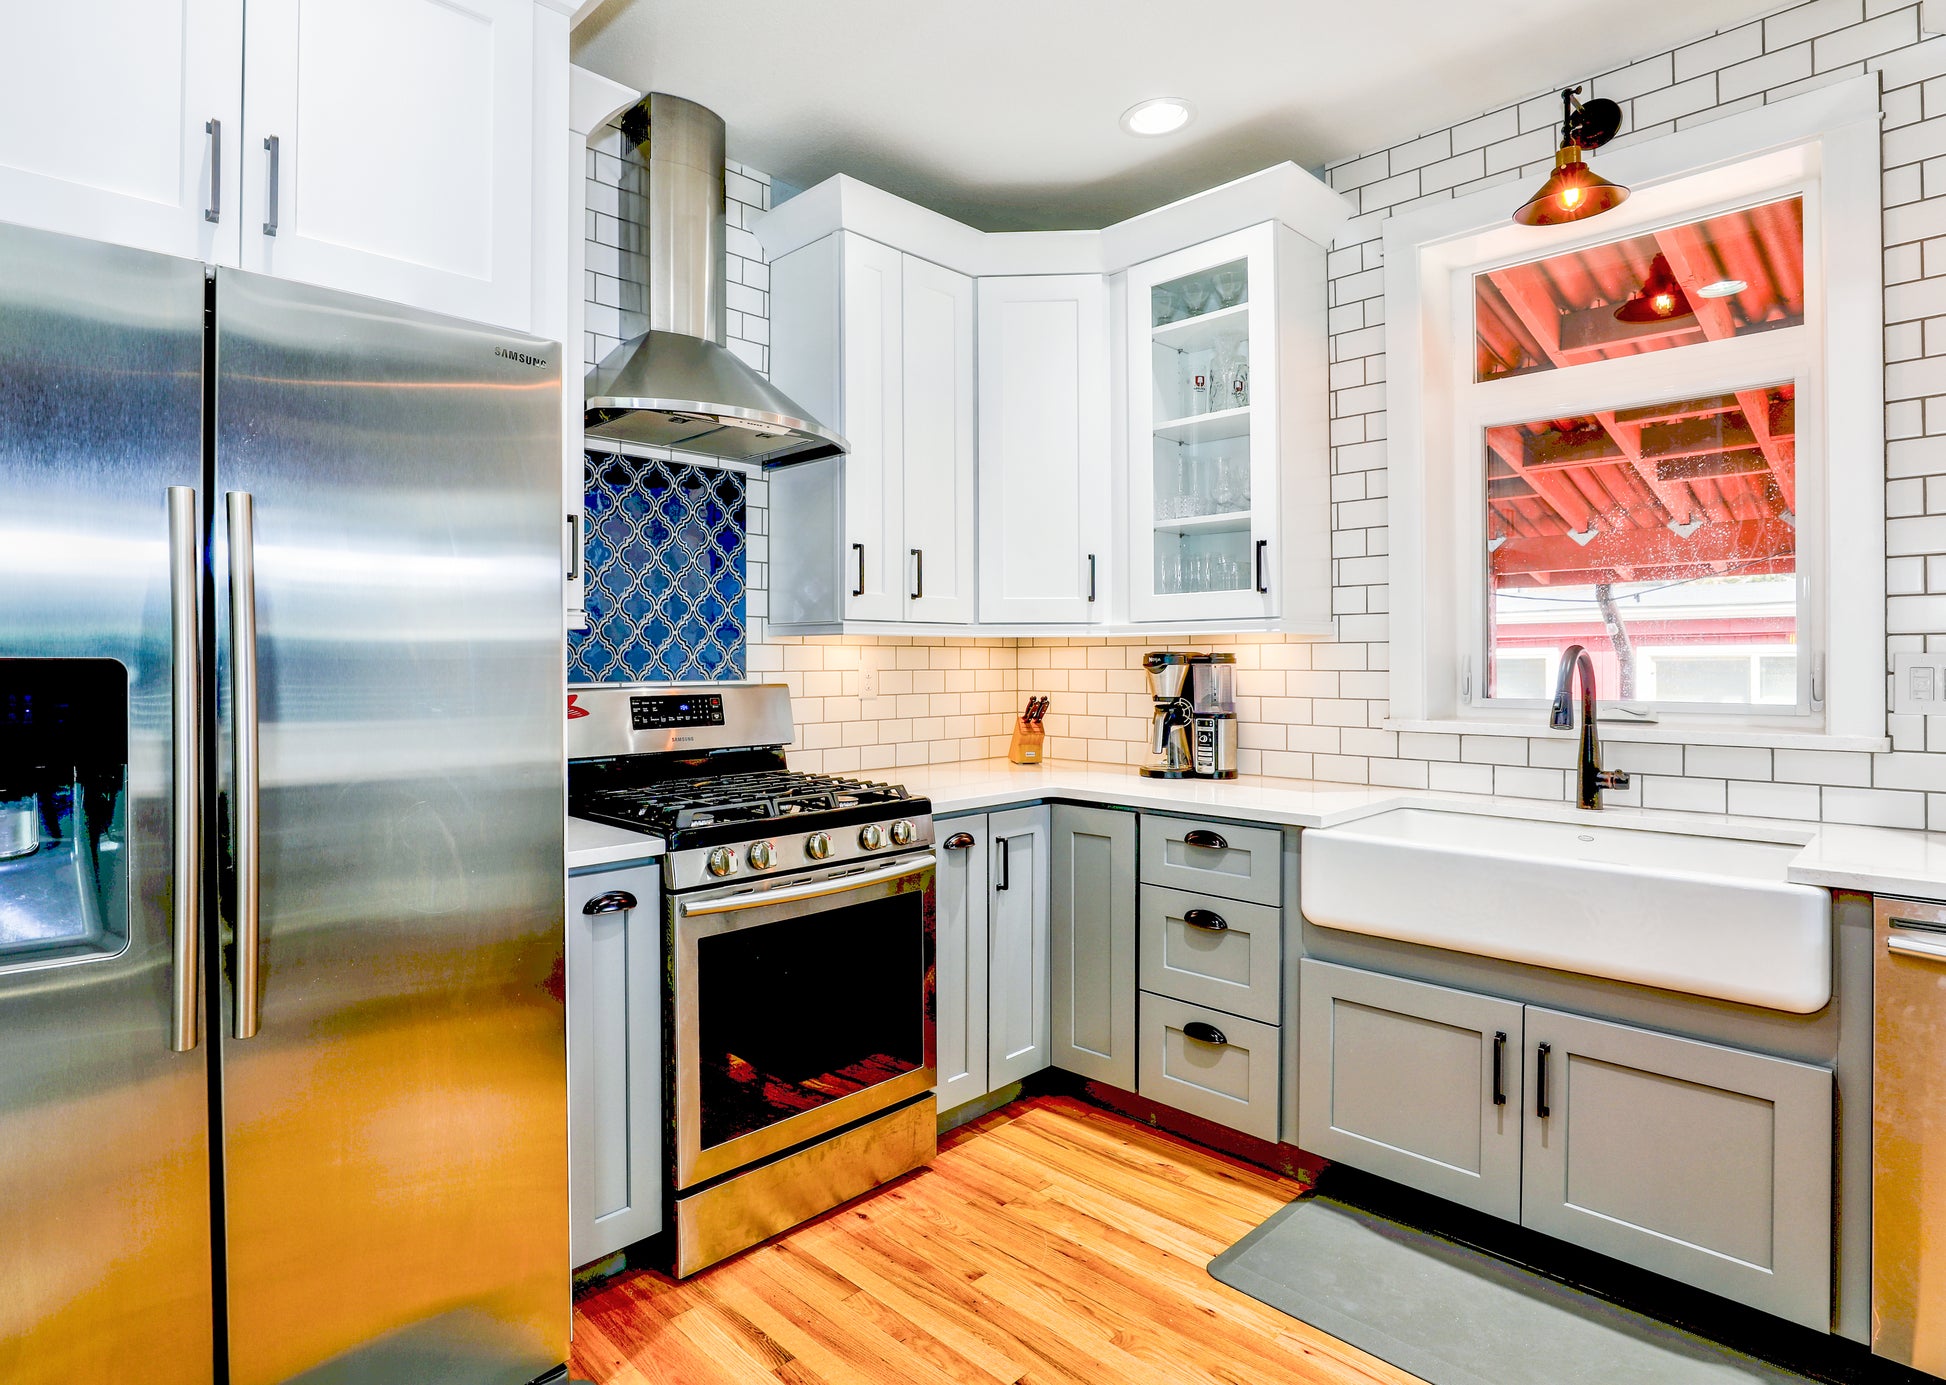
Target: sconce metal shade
{"x": 1572, "y": 192}
{"x": 1660, "y": 299}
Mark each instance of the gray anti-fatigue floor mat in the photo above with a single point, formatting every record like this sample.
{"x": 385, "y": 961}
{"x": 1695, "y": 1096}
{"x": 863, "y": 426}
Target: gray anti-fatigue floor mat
{"x": 1456, "y": 1316}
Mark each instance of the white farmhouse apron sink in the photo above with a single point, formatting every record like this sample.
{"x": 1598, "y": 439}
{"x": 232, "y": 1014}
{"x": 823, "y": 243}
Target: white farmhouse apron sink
{"x": 1709, "y": 916}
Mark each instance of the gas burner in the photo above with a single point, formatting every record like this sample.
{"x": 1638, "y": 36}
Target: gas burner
{"x": 679, "y": 805}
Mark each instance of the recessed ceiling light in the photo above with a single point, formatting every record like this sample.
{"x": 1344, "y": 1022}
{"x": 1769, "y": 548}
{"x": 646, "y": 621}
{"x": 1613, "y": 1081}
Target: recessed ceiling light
{"x": 1159, "y": 115}
{"x": 1722, "y": 288}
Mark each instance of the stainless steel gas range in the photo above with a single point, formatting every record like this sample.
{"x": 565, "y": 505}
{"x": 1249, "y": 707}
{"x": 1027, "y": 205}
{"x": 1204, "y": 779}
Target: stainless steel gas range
{"x": 798, "y": 922}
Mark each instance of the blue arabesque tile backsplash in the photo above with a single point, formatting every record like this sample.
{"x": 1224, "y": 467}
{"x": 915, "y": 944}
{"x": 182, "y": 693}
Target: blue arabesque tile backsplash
{"x": 666, "y": 582}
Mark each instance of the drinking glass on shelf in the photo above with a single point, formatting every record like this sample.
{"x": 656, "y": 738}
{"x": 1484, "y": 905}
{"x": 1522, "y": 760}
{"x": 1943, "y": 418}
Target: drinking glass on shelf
{"x": 1237, "y": 377}
{"x": 1223, "y": 496}
{"x": 1219, "y": 370}
{"x": 1162, "y": 304}
{"x": 1227, "y": 573}
{"x": 1169, "y": 571}
{"x": 1195, "y": 295}
{"x": 1229, "y": 286}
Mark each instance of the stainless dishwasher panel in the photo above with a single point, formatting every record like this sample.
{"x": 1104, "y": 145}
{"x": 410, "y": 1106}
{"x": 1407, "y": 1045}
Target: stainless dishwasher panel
{"x": 1909, "y": 1136}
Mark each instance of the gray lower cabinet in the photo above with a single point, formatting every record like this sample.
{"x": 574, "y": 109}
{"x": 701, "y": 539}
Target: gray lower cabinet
{"x": 960, "y": 960}
{"x": 1209, "y": 856}
{"x": 1018, "y": 1040}
{"x": 1211, "y": 951}
{"x": 1708, "y": 1164}
{"x": 614, "y": 1006}
{"x": 1417, "y": 1083}
{"x": 1210, "y": 1064}
{"x": 1093, "y": 971}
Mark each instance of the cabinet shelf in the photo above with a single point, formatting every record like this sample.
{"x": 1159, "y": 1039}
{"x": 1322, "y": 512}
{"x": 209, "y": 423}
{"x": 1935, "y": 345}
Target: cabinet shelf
{"x": 1211, "y": 427}
{"x": 1204, "y": 524}
{"x": 1200, "y": 333}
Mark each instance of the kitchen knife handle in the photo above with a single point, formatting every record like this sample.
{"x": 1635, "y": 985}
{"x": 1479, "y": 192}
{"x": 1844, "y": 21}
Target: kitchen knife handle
{"x": 214, "y": 129}
{"x": 186, "y": 699}
{"x": 859, "y": 590}
{"x": 244, "y": 818}
{"x": 270, "y": 210}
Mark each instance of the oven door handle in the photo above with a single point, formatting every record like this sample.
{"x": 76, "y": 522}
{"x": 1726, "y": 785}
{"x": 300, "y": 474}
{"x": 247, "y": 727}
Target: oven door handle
{"x": 791, "y": 894}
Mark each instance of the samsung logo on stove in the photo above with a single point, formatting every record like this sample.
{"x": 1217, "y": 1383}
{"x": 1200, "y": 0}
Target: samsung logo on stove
{"x": 507, "y": 354}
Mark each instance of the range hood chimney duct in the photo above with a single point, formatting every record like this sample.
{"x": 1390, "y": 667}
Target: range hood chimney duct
{"x": 677, "y": 385}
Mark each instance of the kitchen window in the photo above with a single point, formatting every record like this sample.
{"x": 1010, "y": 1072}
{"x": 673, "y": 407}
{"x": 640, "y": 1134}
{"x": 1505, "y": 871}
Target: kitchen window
{"x": 1646, "y": 434}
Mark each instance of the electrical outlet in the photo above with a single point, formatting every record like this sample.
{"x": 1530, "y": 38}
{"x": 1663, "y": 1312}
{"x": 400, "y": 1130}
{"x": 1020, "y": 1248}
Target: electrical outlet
{"x": 1919, "y": 684}
{"x": 868, "y": 673}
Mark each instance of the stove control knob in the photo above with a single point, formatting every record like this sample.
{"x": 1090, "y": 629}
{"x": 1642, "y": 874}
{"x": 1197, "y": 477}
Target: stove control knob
{"x": 722, "y": 861}
{"x": 763, "y": 855}
{"x": 902, "y": 833}
{"x": 818, "y": 845}
{"x": 872, "y": 838}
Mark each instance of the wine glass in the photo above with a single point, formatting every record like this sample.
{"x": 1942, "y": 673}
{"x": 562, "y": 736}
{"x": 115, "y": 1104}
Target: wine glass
{"x": 1223, "y": 493}
{"x": 1195, "y": 295}
{"x": 1163, "y": 305}
{"x": 1229, "y": 286}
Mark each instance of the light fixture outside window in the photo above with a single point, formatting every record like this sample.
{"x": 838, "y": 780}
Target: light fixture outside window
{"x": 1160, "y": 115}
{"x": 1573, "y": 191}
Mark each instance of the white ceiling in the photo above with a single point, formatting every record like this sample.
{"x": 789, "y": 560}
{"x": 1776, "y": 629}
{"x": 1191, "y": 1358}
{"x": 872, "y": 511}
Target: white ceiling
{"x": 1004, "y": 113}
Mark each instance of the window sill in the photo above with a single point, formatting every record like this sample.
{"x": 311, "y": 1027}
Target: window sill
{"x": 1658, "y": 733}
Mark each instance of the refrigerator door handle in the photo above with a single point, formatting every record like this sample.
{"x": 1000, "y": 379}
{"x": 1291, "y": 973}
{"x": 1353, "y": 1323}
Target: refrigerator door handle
{"x": 186, "y": 701}
{"x": 243, "y": 753}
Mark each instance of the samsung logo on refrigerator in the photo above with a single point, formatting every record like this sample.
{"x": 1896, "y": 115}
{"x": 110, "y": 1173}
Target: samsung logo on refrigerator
{"x": 522, "y": 357}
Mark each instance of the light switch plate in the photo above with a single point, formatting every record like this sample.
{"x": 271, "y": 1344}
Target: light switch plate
{"x": 1919, "y": 684}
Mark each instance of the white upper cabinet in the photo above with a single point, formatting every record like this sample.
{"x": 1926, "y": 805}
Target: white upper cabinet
{"x": 879, "y": 345}
{"x": 119, "y": 122}
{"x": 1045, "y": 487}
{"x": 389, "y": 150}
{"x": 937, "y": 487}
{"x": 871, "y": 415}
{"x": 1229, "y": 458}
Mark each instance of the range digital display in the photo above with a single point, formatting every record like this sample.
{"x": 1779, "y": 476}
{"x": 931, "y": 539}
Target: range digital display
{"x": 675, "y": 709}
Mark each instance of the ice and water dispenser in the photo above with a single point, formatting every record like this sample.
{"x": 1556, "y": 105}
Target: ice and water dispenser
{"x": 63, "y": 794}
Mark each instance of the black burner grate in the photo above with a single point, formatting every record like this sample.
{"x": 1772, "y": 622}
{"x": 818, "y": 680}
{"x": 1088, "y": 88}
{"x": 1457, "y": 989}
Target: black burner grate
{"x": 764, "y": 796}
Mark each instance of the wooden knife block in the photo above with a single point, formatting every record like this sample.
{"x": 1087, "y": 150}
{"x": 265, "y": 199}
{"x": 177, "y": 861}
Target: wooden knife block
{"x": 1029, "y": 738}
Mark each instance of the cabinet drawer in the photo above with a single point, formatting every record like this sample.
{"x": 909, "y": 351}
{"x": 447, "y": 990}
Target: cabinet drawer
{"x": 1230, "y": 1075}
{"x": 1210, "y": 857}
{"x": 1208, "y": 951}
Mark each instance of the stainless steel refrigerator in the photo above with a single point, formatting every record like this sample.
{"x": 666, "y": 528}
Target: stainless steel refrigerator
{"x": 282, "y": 1071}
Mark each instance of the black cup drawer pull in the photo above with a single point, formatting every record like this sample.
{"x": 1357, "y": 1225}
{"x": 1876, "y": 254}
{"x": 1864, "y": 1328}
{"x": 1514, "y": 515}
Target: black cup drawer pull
{"x": 614, "y": 902}
{"x": 1204, "y": 1033}
{"x": 1206, "y": 918}
{"x": 1202, "y": 836}
{"x": 959, "y": 841}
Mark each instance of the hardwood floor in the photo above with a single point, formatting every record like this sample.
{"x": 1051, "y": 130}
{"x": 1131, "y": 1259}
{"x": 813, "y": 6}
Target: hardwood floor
{"x": 1049, "y": 1242}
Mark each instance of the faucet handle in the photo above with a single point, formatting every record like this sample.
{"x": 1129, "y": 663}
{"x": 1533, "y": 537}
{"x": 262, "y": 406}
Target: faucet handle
{"x": 1611, "y": 779}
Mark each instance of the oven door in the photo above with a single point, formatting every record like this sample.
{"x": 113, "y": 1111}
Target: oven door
{"x": 798, "y": 1007}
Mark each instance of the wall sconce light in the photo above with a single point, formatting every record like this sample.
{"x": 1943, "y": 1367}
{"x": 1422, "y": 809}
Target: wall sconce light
{"x": 1660, "y": 299}
{"x": 1572, "y": 191}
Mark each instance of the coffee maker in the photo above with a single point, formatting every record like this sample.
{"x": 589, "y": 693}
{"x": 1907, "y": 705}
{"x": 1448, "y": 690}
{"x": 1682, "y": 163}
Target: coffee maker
{"x": 1170, "y": 752}
{"x": 1213, "y": 715}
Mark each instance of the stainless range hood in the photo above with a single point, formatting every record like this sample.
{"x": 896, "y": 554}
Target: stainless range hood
{"x": 677, "y": 385}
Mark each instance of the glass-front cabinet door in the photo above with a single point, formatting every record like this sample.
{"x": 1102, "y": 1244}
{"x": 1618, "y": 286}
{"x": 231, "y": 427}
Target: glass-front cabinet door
{"x": 1202, "y": 391}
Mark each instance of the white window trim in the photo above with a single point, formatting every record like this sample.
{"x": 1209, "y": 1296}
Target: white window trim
{"x": 1826, "y": 139}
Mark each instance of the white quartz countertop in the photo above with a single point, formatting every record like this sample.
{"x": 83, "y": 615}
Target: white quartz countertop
{"x": 598, "y": 844}
{"x": 1870, "y": 859}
